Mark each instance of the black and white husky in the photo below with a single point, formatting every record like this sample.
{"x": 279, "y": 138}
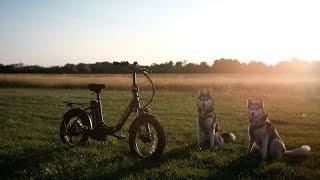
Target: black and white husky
{"x": 263, "y": 134}
{"x": 207, "y": 123}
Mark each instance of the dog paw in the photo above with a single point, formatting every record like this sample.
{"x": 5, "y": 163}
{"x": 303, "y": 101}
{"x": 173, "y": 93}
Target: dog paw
{"x": 243, "y": 155}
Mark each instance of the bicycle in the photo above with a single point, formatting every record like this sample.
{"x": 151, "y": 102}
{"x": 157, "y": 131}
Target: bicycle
{"x": 146, "y": 135}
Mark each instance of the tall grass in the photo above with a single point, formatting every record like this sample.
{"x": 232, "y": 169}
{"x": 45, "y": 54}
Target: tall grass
{"x": 267, "y": 82}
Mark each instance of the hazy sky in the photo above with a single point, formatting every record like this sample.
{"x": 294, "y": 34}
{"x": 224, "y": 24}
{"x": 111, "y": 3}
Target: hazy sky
{"x": 54, "y": 32}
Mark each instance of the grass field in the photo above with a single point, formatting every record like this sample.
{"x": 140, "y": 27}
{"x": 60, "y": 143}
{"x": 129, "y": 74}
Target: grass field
{"x": 30, "y": 117}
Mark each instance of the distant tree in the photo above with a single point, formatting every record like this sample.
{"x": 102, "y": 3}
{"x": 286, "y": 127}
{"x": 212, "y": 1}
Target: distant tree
{"x": 70, "y": 68}
{"x": 282, "y": 67}
{"x": 299, "y": 66}
{"x": 31, "y": 69}
{"x": 204, "y": 67}
{"x": 55, "y": 70}
{"x": 168, "y": 67}
{"x": 227, "y": 66}
{"x": 293, "y": 66}
{"x": 8, "y": 69}
{"x": 1, "y": 67}
{"x": 257, "y": 68}
{"x": 18, "y": 65}
{"x": 221, "y": 66}
{"x": 83, "y": 68}
{"x": 178, "y": 65}
{"x": 103, "y": 67}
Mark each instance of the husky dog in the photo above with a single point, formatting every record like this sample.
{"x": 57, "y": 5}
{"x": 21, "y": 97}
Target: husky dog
{"x": 264, "y": 136}
{"x": 207, "y": 123}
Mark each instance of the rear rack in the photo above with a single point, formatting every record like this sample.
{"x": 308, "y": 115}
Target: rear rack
{"x": 71, "y": 104}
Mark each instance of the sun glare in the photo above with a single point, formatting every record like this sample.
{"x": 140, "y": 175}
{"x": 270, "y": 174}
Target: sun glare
{"x": 268, "y": 31}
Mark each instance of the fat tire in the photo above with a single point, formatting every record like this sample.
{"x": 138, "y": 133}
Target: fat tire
{"x": 66, "y": 118}
{"x": 161, "y": 135}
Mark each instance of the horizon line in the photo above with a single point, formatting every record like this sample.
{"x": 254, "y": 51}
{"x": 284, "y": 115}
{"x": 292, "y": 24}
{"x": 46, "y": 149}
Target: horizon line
{"x": 209, "y": 62}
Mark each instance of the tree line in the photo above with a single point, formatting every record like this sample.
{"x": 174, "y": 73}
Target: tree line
{"x": 220, "y": 66}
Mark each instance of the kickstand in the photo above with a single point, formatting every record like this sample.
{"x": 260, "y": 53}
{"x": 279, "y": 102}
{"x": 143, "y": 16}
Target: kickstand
{"x": 118, "y": 135}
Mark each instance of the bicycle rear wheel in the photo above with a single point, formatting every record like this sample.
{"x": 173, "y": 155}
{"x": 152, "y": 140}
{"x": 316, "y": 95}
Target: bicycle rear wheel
{"x": 74, "y": 128}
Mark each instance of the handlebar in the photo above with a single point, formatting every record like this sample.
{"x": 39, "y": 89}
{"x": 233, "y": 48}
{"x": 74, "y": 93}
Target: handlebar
{"x": 134, "y": 68}
{"x": 133, "y": 65}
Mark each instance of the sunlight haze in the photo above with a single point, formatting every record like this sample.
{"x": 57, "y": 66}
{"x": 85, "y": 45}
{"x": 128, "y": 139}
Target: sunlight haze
{"x": 59, "y": 32}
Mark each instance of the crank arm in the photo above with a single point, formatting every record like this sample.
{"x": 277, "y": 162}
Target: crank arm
{"x": 118, "y": 135}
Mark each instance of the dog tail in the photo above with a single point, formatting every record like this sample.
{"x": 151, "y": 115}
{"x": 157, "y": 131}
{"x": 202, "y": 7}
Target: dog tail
{"x": 228, "y": 137}
{"x": 301, "y": 151}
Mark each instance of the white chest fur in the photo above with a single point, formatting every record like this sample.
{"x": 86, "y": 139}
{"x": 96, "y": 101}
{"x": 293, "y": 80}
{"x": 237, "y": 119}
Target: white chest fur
{"x": 208, "y": 122}
{"x": 260, "y": 135}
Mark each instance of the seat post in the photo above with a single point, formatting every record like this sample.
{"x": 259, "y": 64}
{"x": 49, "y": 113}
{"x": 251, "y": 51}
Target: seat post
{"x": 98, "y": 97}
{"x": 100, "y": 107}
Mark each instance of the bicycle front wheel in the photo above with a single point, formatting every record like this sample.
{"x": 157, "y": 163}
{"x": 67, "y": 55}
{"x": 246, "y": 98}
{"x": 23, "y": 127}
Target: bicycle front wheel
{"x": 147, "y": 139}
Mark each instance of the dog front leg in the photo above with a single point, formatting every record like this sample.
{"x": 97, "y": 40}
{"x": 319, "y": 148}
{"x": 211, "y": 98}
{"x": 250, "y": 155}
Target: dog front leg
{"x": 200, "y": 137}
{"x": 212, "y": 136}
{"x": 264, "y": 147}
{"x": 250, "y": 144}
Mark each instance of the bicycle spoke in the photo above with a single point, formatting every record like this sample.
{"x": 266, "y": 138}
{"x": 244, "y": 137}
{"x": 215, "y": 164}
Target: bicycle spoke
{"x": 146, "y": 142}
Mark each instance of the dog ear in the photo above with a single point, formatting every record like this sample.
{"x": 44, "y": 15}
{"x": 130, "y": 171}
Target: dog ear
{"x": 261, "y": 102}
{"x": 210, "y": 92}
{"x": 249, "y": 101}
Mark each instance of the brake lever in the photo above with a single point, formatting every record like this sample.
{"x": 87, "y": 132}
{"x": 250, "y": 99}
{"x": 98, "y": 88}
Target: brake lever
{"x": 145, "y": 70}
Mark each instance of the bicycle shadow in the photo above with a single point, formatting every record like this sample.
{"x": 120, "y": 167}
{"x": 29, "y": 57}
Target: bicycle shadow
{"x": 243, "y": 163}
{"x": 242, "y": 166}
{"x": 141, "y": 165}
{"x": 18, "y": 166}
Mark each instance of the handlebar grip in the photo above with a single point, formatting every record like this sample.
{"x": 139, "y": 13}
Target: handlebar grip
{"x": 145, "y": 70}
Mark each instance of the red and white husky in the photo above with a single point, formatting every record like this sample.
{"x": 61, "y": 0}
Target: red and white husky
{"x": 207, "y": 123}
{"x": 263, "y": 134}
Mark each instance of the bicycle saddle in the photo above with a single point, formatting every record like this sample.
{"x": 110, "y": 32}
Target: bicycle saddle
{"x": 96, "y": 87}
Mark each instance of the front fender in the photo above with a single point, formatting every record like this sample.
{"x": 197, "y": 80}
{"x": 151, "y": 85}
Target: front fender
{"x": 81, "y": 113}
{"x": 139, "y": 120}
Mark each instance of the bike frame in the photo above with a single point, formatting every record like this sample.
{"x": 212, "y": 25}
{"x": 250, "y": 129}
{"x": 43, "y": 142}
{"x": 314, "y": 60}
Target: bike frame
{"x": 134, "y": 105}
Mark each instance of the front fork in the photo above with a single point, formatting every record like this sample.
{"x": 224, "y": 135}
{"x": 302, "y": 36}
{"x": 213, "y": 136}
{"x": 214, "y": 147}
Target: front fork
{"x": 144, "y": 134}
{"x": 144, "y": 130}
